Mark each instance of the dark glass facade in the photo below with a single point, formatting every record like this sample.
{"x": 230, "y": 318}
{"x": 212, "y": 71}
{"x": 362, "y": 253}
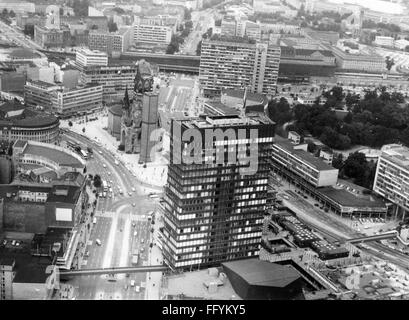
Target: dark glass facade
{"x": 213, "y": 213}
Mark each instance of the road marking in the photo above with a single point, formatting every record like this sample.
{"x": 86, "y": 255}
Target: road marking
{"x": 110, "y": 243}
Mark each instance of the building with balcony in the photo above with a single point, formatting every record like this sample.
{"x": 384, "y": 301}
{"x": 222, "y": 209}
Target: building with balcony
{"x": 213, "y": 210}
{"x": 234, "y": 63}
{"x": 84, "y": 99}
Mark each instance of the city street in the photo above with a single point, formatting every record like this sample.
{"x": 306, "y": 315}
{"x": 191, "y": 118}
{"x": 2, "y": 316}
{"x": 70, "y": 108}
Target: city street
{"x": 122, "y": 227}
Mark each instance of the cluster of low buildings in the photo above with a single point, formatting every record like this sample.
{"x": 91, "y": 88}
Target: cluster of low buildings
{"x": 45, "y": 217}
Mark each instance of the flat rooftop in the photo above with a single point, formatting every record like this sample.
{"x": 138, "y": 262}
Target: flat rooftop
{"x": 315, "y": 162}
{"x": 397, "y": 154}
{"x": 190, "y": 284}
{"x": 60, "y": 157}
{"x": 348, "y": 199}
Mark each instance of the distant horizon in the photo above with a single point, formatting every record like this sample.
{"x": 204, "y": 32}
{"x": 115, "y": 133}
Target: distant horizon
{"x": 376, "y": 5}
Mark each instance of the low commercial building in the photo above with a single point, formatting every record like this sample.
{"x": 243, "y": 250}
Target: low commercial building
{"x": 320, "y": 180}
{"x": 39, "y": 94}
{"x": 401, "y": 44}
{"x": 384, "y": 41}
{"x": 19, "y": 122}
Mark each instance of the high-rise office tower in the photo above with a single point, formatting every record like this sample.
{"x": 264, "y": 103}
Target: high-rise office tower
{"x": 213, "y": 211}
{"x": 236, "y": 63}
{"x": 150, "y": 118}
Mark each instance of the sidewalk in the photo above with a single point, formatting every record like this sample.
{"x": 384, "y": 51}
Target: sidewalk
{"x": 155, "y": 173}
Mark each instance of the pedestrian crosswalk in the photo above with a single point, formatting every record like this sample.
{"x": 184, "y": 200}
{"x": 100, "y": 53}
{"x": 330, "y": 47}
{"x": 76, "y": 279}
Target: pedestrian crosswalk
{"x": 107, "y": 214}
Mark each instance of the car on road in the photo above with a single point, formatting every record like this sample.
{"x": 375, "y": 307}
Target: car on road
{"x": 98, "y": 242}
{"x": 100, "y": 152}
{"x": 286, "y": 197}
{"x": 134, "y": 204}
{"x": 137, "y": 289}
{"x": 116, "y": 162}
{"x": 135, "y": 233}
{"x": 142, "y": 241}
{"x": 130, "y": 194}
{"x": 4, "y": 242}
{"x": 133, "y": 189}
{"x": 132, "y": 283}
{"x": 104, "y": 165}
{"x": 126, "y": 287}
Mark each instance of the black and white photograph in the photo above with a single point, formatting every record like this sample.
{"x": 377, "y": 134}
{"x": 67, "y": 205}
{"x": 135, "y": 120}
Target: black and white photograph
{"x": 204, "y": 155}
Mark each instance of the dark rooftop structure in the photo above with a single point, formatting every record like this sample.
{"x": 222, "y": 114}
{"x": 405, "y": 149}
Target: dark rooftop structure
{"x": 256, "y": 279}
{"x": 15, "y": 114}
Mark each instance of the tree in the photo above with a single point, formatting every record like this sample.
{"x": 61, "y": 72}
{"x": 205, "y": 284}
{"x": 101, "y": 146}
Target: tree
{"x": 83, "y": 130}
{"x": 97, "y": 181}
{"x": 12, "y": 14}
{"x": 4, "y": 12}
{"x": 70, "y": 123}
{"x": 112, "y": 26}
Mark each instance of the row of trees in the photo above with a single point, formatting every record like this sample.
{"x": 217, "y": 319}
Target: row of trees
{"x": 378, "y": 118}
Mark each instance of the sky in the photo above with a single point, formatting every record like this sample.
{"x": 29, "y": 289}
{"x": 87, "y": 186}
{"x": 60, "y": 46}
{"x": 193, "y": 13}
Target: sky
{"x": 375, "y": 5}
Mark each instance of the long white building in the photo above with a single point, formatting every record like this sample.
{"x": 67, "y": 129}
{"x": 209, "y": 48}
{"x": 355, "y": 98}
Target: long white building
{"x": 237, "y": 63}
{"x": 85, "y": 58}
{"x": 392, "y": 177}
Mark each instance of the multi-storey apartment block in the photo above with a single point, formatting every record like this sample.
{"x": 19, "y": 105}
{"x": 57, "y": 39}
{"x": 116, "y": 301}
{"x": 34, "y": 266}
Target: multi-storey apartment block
{"x": 236, "y": 63}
